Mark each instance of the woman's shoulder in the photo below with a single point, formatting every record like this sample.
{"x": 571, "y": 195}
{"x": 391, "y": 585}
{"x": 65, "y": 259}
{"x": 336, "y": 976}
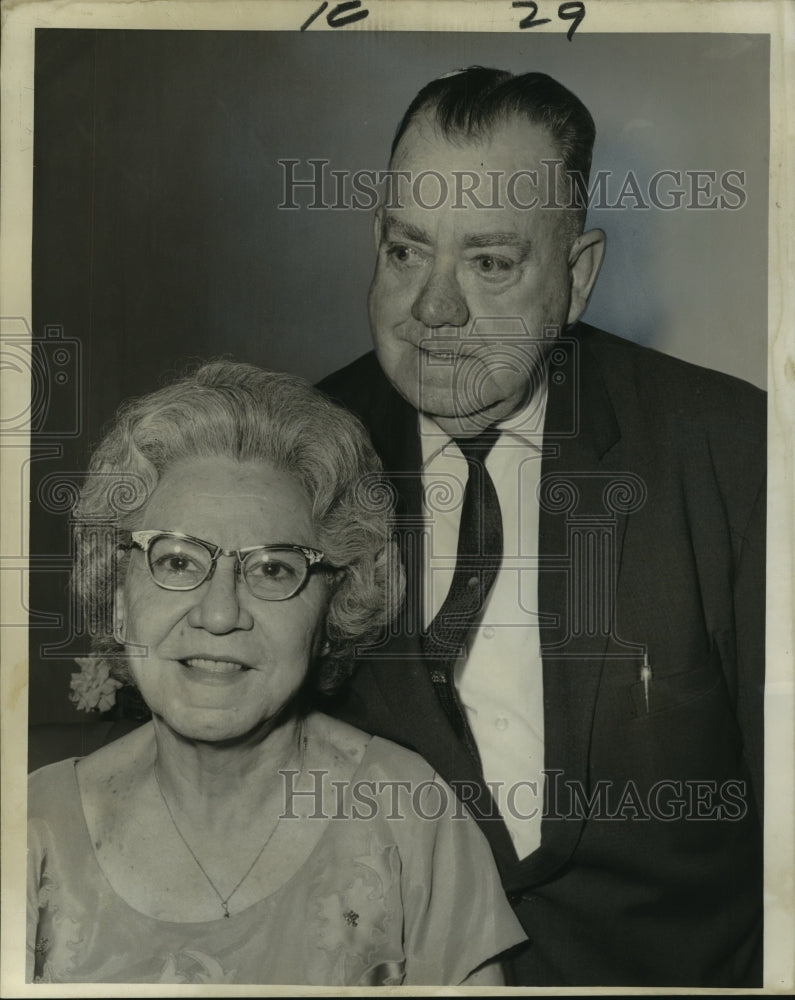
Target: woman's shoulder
{"x": 384, "y": 782}
{"x": 119, "y": 760}
{"x": 367, "y": 753}
{"x": 50, "y": 785}
{"x": 61, "y": 789}
{"x": 55, "y": 813}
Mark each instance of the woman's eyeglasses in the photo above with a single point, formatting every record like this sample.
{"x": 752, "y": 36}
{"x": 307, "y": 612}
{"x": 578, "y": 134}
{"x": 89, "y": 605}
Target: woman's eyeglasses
{"x": 182, "y": 562}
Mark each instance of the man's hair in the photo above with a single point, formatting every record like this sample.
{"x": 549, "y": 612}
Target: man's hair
{"x": 242, "y": 412}
{"x": 471, "y": 103}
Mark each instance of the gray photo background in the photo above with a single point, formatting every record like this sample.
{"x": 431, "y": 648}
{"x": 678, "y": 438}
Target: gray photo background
{"x": 158, "y": 238}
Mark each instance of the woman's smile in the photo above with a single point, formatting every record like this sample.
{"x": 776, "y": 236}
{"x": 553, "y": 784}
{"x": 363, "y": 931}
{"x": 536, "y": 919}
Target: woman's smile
{"x": 212, "y": 671}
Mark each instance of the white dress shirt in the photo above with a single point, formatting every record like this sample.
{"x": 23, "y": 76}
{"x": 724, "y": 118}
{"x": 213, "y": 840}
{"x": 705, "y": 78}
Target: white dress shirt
{"x": 499, "y": 681}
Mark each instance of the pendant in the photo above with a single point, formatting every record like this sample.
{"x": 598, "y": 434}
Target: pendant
{"x": 226, "y": 908}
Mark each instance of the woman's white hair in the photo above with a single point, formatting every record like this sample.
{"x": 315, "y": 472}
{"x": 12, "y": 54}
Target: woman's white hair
{"x": 239, "y": 411}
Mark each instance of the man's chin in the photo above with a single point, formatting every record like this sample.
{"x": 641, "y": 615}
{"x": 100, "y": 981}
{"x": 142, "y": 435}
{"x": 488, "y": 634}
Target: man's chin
{"x": 469, "y": 424}
{"x": 437, "y": 394}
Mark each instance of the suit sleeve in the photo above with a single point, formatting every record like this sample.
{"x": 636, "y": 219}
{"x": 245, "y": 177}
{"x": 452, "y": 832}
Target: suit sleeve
{"x": 749, "y": 612}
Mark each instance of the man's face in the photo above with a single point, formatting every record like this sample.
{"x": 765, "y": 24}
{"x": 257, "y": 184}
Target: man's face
{"x": 461, "y": 295}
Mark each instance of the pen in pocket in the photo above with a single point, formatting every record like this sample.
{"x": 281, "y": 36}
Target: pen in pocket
{"x": 645, "y": 676}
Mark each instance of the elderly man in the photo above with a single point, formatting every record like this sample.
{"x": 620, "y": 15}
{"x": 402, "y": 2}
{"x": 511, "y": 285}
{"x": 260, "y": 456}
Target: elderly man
{"x": 582, "y": 521}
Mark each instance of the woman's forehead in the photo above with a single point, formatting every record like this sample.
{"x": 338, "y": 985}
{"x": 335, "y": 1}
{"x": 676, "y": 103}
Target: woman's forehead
{"x": 229, "y": 495}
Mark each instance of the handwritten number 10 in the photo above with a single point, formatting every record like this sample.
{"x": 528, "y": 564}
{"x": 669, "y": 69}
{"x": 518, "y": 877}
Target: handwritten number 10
{"x": 574, "y": 12}
{"x": 338, "y": 18}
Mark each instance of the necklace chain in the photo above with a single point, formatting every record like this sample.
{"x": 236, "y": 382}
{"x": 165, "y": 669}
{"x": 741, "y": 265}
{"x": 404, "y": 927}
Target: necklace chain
{"x": 225, "y": 901}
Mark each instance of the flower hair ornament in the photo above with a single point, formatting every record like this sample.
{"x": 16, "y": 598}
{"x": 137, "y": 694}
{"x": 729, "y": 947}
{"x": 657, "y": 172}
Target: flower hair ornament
{"x": 93, "y": 689}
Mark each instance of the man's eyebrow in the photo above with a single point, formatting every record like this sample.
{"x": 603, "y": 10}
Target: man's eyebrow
{"x": 480, "y": 240}
{"x": 413, "y": 233}
{"x": 472, "y": 241}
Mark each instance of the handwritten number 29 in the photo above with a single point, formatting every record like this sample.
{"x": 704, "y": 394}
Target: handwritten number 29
{"x": 574, "y": 12}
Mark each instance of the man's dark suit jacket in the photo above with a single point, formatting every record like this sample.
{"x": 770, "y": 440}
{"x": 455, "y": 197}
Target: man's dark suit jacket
{"x": 654, "y": 470}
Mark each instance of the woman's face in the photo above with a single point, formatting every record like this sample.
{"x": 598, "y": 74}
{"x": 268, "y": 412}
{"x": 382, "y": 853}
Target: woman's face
{"x": 216, "y": 663}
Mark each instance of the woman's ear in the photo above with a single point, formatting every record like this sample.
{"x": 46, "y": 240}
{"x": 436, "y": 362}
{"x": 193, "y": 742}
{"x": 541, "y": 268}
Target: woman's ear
{"x": 119, "y": 614}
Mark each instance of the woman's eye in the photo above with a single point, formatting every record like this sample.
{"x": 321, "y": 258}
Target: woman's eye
{"x": 176, "y": 564}
{"x": 272, "y": 570}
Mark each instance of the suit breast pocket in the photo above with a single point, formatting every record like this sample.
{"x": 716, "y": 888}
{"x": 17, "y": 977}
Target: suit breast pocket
{"x": 669, "y": 691}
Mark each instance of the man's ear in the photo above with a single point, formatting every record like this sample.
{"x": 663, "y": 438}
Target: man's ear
{"x": 378, "y": 221}
{"x": 585, "y": 259}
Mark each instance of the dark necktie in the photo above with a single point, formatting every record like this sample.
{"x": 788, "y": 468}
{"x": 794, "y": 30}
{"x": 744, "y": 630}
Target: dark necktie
{"x": 478, "y": 560}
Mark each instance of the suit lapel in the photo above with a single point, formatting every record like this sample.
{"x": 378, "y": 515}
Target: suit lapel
{"x": 579, "y": 539}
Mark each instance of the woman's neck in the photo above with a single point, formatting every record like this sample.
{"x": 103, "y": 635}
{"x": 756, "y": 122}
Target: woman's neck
{"x": 199, "y": 778}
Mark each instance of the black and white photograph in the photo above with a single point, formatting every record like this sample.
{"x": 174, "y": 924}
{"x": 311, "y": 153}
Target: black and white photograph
{"x": 397, "y": 535}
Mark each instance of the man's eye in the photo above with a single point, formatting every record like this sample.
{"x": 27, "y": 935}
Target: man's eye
{"x": 488, "y": 264}
{"x": 405, "y": 256}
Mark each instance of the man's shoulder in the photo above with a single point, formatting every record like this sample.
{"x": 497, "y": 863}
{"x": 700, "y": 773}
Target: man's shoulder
{"x": 361, "y": 377}
{"x": 365, "y": 362}
{"x": 363, "y": 388}
{"x": 661, "y": 384}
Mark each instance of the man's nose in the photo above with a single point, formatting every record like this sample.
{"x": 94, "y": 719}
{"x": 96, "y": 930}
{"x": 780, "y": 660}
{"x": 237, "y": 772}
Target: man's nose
{"x": 218, "y": 608}
{"x": 441, "y": 301}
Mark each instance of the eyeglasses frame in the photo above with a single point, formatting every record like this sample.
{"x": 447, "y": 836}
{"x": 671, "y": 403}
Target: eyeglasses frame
{"x": 143, "y": 540}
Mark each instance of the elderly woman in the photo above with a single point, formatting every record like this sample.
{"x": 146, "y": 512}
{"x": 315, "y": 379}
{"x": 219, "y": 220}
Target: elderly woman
{"x": 240, "y": 837}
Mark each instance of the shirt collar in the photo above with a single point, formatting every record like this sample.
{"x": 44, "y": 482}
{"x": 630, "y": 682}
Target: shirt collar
{"x": 527, "y": 426}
